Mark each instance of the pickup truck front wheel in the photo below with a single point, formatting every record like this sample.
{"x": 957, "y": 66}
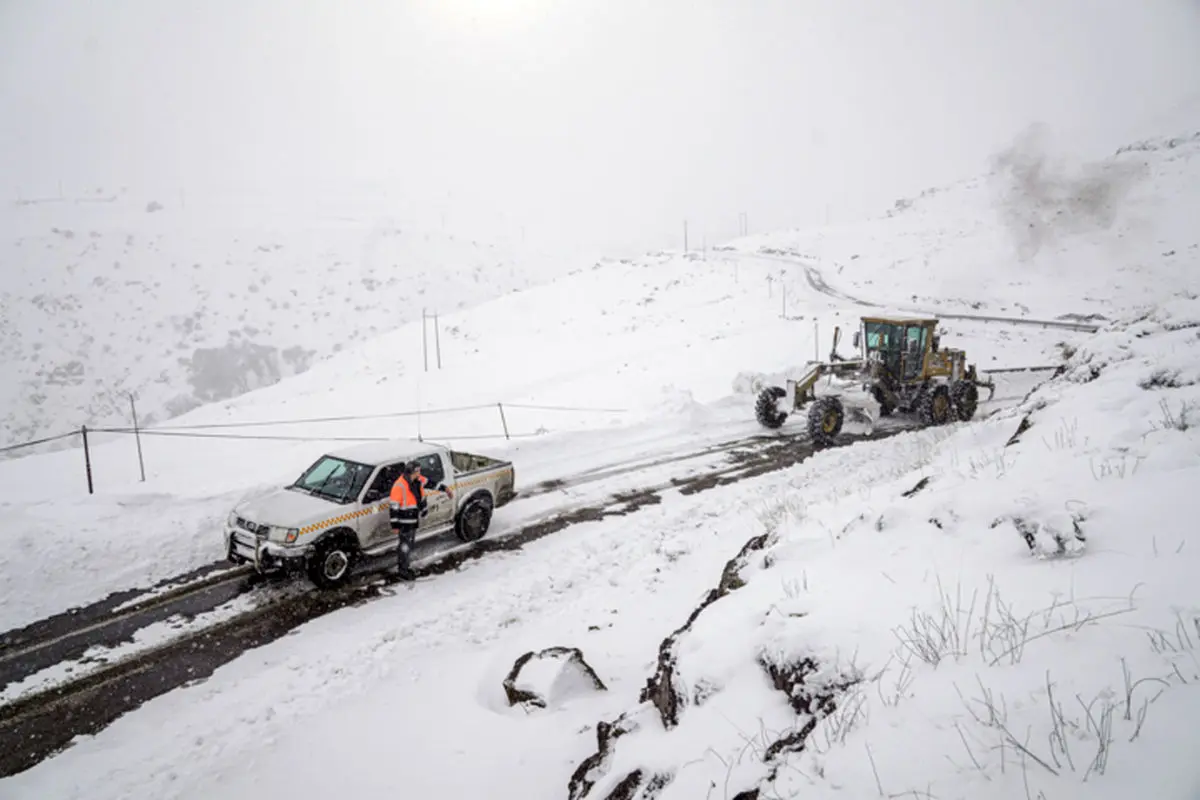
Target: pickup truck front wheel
{"x": 330, "y": 562}
{"x": 474, "y": 519}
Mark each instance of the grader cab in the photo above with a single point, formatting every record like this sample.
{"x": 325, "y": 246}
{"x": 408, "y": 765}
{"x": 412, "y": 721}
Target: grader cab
{"x": 901, "y": 367}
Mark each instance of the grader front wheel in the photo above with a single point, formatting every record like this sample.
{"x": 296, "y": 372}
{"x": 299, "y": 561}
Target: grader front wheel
{"x": 766, "y": 409}
{"x": 825, "y": 418}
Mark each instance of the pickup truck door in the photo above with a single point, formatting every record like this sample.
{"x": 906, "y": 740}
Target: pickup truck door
{"x": 376, "y": 527}
{"x": 440, "y": 507}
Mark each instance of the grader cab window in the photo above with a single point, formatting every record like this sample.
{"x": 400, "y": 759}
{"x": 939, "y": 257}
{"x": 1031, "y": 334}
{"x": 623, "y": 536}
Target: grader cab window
{"x": 881, "y": 336}
{"x": 887, "y": 340}
{"x": 914, "y": 351}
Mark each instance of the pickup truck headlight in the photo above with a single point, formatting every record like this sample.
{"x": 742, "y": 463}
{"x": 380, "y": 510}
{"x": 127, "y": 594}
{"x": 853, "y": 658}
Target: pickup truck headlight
{"x": 232, "y": 521}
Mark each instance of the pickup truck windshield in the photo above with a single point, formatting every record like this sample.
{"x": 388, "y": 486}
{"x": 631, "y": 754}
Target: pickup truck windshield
{"x": 334, "y": 479}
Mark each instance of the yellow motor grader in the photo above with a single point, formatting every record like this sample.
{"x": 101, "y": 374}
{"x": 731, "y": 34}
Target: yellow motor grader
{"x": 901, "y": 368}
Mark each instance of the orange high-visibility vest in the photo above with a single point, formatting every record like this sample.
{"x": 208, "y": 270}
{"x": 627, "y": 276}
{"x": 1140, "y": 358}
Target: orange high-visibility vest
{"x": 402, "y": 494}
{"x": 404, "y": 506}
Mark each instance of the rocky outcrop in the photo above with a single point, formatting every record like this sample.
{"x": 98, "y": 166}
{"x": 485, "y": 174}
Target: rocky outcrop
{"x": 543, "y": 678}
{"x": 662, "y": 689}
{"x": 810, "y": 695}
{"x": 663, "y": 692}
{"x": 596, "y": 765}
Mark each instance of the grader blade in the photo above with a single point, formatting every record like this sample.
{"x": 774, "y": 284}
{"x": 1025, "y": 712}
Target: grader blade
{"x": 990, "y": 385}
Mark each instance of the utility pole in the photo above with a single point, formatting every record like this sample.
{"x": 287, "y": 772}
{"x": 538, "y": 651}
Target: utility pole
{"x": 87, "y": 459}
{"x": 137, "y": 436}
{"x": 424, "y": 341}
{"x": 685, "y": 241}
{"x": 437, "y": 338}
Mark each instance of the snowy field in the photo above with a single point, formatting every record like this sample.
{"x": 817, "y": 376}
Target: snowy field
{"x": 1020, "y": 605}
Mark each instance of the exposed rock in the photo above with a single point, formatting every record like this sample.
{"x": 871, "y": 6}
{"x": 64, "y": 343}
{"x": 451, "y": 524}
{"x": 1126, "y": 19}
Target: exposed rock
{"x": 808, "y": 695}
{"x": 585, "y": 775}
{"x": 661, "y": 688}
{"x": 665, "y": 694}
{"x": 1023, "y": 426}
{"x": 547, "y": 676}
{"x": 632, "y": 786}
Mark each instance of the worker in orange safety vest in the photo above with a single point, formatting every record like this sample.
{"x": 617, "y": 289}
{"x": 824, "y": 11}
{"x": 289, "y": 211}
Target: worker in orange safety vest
{"x": 406, "y": 506}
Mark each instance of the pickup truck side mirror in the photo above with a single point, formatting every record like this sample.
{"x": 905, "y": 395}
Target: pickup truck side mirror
{"x": 372, "y": 496}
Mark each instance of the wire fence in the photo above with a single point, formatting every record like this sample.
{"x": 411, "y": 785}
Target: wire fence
{"x": 217, "y": 430}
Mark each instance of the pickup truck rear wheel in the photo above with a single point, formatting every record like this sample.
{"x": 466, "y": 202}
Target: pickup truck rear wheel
{"x": 330, "y": 561}
{"x": 474, "y": 519}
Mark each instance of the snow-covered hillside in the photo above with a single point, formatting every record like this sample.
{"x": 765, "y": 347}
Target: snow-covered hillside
{"x": 1007, "y": 609}
{"x": 993, "y": 609}
{"x": 189, "y": 300}
{"x": 1038, "y": 237}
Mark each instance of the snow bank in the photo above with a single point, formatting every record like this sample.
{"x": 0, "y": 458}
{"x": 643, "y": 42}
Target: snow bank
{"x": 1002, "y": 609}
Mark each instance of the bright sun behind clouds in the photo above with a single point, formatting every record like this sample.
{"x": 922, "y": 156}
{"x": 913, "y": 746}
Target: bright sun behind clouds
{"x": 488, "y": 17}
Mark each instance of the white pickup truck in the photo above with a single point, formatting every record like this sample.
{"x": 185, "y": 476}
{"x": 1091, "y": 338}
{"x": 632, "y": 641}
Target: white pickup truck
{"x": 337, "y": 511}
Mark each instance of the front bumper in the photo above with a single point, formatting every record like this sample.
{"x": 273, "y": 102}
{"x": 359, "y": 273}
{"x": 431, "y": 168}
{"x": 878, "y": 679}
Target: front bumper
{"x": 243, "y": 547}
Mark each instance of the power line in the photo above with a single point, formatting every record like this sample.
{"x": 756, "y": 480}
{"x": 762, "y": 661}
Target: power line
{"x": 568, "y": 408}
{"x": 181, "y": 430}
{"x": 263, "y": 437}
{"x": 361, "y": 417}
{"x": 310, "y": 420}
{"x": 39, "y": 441}
{"x": 268, "y": 437}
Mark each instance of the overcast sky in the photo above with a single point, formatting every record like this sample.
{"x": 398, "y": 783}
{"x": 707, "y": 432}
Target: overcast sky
{"x": 600, "y": 122}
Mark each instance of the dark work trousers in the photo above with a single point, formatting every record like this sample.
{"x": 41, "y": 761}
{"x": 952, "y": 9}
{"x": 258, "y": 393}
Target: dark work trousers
{"x": 408, "y": 536}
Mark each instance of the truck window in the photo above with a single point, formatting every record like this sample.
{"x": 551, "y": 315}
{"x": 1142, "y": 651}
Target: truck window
{"x": 334, "y": 479}
{"x": 386, "y": 479}
{"x": 432, "y": 469}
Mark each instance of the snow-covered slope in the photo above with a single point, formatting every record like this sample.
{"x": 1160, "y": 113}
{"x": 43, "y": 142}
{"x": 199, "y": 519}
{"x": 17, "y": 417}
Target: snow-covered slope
{"x": 1005, "y": 608}
{"x": 1039, "y": 236}
{"x": 185, "y": 301}
{"x": 911, "y": 588}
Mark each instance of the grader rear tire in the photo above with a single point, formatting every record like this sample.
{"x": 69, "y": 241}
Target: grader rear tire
{"x": 825, "y": 418}
{"x": 965, "y": 397}
{"x": 936, "y": 407}
{"x": 766, "y": 408}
